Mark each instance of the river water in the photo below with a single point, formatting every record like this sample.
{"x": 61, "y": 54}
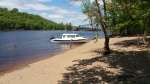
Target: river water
{"x": 20, "y": 47}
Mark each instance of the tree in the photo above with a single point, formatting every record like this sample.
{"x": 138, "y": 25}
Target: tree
{"x": 14, "y": 10}
{"x": 61, "y": 26}
{"x": 130, "y": 15}
{"x": 145, "y": 7}
{"x": 102, "y": 21}
{"x": 95, "y": 13}
{"x": 88, "y": 9}
{"x": 69, "y": 26}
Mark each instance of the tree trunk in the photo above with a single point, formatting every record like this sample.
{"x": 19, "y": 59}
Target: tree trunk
{"x": 145, "y": 31}
{"x": 104, "y": 26}
{"x": 106, "y": 43}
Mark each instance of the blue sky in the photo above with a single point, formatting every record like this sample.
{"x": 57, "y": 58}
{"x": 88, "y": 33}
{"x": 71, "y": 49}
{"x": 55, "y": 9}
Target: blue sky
{"x": 55, "y": 10}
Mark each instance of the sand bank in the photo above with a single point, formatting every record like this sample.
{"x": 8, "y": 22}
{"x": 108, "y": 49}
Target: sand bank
{"x": 50, "y": 71}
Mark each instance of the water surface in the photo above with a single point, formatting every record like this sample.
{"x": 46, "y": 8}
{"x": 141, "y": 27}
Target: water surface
{"x": 19, "y": 47}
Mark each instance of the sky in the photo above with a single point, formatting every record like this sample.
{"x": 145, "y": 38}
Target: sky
{"x": 55, "y": 10}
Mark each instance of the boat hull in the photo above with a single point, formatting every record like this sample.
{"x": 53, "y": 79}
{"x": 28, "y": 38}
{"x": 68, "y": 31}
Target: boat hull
{"x": 67, "y": 41}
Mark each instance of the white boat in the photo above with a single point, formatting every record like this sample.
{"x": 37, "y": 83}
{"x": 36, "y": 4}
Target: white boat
{"x": 75, "y": 38}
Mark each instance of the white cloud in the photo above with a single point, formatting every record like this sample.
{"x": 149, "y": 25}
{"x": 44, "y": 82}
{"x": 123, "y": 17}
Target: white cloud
{"x": 44, "y": 0}
{"x": 44, "y": 15}
{"x": 38, "y": 6}
{"x": 77, "y": 3}
{"x": 92, "y": 1}
{"x": 61, "y": 11}
{"x": 25, "y": 4}
{"x": 99, "y": 1}
{"x": 75, "y": 19}
{"x": 11, "y": 4}
{"x": 54, "y": 16}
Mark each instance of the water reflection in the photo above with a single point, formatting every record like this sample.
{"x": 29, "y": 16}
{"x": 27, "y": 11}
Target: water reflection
{"x": 65, "y": 46}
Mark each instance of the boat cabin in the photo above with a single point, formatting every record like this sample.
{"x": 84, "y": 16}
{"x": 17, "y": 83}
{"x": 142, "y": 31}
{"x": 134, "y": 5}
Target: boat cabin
{"x": 70, "y": 35}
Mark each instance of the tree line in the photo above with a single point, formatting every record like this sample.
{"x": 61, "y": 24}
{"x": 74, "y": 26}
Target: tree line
{"x": 15, "y": 20}
{"x": 132, "y": 16}
{"x": 121, "y": 17}
{"x": 126, "y": 16}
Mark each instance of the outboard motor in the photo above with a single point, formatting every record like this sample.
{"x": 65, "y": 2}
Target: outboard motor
{"x": 52, "y": 37}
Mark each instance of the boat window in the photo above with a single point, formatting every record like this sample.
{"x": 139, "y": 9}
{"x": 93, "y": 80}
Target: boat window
{"x": 76, "y": 35}
{"x": 64, "y": 36}
{"x": 71, "y": 36}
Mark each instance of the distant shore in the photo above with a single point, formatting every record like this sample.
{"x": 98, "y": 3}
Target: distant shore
{"x": 51, "y": 70}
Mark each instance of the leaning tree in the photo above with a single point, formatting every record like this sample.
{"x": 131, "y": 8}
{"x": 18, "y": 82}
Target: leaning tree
{"x": 97, "y": 13}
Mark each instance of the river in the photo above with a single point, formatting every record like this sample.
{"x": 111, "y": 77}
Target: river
{"x": 21, "y": 47}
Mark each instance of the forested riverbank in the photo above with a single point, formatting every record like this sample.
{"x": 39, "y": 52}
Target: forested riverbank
{"x": 15, "y": 20}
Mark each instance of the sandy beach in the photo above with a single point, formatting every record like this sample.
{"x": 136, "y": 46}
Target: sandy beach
{"x": 80, "y": 65}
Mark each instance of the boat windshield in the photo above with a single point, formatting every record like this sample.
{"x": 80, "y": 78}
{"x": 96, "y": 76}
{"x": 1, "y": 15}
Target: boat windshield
{"x": 63, "y": 36}
{"x": 71, "y": 36}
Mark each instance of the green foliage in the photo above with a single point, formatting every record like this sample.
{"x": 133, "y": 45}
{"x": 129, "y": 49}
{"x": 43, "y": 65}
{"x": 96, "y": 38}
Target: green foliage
{"x": 128, "y": 15}
{"x": 91, "y": 10}
{"x": 13, "y": 19}
{"x": 132, "y": 16}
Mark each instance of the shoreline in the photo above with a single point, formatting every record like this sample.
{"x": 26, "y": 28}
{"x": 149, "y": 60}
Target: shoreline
{"x": 24, "y": 64}
{"x": 51, "y": 70}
